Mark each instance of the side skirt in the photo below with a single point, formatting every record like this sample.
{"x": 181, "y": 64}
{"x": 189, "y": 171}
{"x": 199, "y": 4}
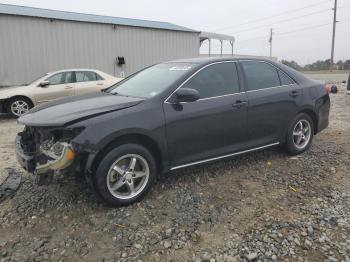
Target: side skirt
{"x": 224, "y": 156}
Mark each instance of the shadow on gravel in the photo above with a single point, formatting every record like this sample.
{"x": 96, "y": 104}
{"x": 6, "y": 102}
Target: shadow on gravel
{"x": 5, "y": 117}
{"x": 65, "y": 192}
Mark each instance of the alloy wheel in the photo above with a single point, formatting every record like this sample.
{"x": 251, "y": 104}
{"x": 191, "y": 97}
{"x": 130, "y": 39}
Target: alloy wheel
{"x": 128, "y": 176}
{"x": 302, "y": 134}
{"x": 19, "y": 107}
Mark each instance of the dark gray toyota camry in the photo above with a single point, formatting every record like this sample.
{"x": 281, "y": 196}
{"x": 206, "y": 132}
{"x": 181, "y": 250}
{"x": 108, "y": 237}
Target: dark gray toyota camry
{"x": 169, "y": 116}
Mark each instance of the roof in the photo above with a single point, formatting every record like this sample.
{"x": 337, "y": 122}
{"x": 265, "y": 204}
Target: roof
{"x": 207, "y": 35}
{"x": 213, "y": 59}
{"x": 90, "y": 18}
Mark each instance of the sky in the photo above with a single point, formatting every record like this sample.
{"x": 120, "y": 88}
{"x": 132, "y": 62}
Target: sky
{"x": 302, "y": 29}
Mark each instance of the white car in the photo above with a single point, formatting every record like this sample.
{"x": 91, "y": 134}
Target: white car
{"x": 18, "y": 100}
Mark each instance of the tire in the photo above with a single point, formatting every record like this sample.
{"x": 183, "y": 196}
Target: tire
{"x": 113, "y": 176}
{"x": 18, "y": 106}
{"x": 294, "y": 135}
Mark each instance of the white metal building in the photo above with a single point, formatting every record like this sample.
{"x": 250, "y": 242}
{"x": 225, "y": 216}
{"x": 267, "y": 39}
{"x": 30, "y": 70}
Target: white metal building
{"x": 34, "y": 41}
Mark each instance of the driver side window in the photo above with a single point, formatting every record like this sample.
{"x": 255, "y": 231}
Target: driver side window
{"x": 56, "y": 79}
{"x": 215, "y": 80}
{"x": 61, "y": 78}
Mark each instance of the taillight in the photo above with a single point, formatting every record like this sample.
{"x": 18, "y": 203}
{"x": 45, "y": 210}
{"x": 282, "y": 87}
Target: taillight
{"x": 327, "y": 88}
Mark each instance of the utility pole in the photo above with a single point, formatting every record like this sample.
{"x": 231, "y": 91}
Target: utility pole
{"x": 333, "y": 37}
{"x": 270, "y": 41}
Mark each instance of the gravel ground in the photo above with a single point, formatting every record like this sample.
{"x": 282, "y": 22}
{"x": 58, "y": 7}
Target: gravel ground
{"x": 264, "y": 206}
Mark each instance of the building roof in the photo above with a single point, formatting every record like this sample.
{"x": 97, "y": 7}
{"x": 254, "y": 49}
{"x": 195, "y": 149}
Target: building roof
{"x": 90, "y": 18}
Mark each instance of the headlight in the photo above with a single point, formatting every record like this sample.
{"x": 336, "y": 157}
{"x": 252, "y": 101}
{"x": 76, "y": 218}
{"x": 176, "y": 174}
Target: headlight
{"x": 60, "y": 155}
{"x": 57, "y": 150}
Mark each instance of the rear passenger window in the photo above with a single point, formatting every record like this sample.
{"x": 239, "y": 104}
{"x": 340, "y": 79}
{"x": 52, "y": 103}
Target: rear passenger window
{"x": 215, "y": 80}
{"x": 260, "y": 75}
{"x": 85, "y": 76}
{"x": 285, "y": 80}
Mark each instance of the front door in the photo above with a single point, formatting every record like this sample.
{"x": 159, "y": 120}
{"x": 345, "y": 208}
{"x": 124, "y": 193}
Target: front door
{"x": 212, "y": 126}
{"x": 61, "y": 85}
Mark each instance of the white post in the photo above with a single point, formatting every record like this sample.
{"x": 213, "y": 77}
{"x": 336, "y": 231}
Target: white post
{"x": 221, "y": 46}
{"x": 209, "y": 45}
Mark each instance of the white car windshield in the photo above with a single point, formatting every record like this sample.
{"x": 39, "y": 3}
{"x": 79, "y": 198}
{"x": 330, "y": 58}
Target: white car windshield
{"x": 151, "y": 81}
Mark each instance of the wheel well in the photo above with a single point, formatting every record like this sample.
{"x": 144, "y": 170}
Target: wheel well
{"x": 143, "y": 140}
{"x": 11, "y": 98}
{"x": 312, "y": 114}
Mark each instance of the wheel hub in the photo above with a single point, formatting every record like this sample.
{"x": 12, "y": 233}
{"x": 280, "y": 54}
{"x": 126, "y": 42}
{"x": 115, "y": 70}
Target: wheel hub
{"x": 128, "y": 176}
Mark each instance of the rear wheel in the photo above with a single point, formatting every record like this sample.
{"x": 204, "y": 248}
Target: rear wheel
{"x": 125, "y": 174}
{"x": 18, "y": 106}
{"x": 300, "y": 134}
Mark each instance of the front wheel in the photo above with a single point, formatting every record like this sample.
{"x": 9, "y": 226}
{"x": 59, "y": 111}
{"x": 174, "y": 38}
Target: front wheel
{"x": 18, "y": 106}
{"x": 300, "y": 134}
{"x": 125, "y": 174}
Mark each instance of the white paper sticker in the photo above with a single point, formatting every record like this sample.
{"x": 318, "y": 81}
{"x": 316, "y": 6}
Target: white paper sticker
{"x": 180, "y": 68}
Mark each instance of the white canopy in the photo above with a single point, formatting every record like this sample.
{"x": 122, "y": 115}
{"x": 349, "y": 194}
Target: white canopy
{"x": 209, "y": 36}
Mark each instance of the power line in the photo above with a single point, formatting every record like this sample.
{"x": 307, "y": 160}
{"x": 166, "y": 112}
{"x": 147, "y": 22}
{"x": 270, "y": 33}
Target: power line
{"x": 303, "y": 29}
{"x": 282, "y": 21}
{"x": 273, "y": 16}
{"x": 250, "y": 39}
{"x": 290, "y": 32}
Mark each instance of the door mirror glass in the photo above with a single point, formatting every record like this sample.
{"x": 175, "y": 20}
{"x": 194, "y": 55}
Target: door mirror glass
{"x": 44, "y": 83}
{"x": 187, "y": 95}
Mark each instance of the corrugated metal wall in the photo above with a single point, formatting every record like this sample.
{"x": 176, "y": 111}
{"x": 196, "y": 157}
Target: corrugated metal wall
{"x": 30, "y": 47}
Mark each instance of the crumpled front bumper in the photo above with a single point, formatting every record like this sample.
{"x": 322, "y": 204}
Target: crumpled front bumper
{"x": 28, "y": 161}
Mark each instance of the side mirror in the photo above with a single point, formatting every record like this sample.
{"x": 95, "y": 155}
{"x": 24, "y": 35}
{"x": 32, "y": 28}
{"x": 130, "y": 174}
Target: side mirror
{"x": 44, "y": 83}
{"x": 187, "y": 95}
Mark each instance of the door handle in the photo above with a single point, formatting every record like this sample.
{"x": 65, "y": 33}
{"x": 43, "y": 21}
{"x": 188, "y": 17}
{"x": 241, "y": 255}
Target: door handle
{"x": 68, "y": 87}
{"x": 100, "y": 84}
{"x": 239, "y": 104}
{"x": 294, "y": 93}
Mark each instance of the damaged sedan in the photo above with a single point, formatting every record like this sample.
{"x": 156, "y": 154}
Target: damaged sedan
{"x": 170, "y": 116}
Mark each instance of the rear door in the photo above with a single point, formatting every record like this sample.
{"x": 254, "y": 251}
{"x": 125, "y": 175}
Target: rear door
{"x": 273, "y": 98}
{"x": 61, "y": 85}
{"x": 215, "y": 124}
{"x": 87, "y": 82}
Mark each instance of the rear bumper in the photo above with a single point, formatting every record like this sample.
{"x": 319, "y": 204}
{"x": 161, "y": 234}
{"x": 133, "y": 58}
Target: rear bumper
{"x": 324, "y": 105}
{"x": 25, "y": 160}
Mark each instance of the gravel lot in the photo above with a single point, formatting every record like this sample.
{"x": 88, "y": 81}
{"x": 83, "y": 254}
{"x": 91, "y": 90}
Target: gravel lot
{"x": 263, "y": 206}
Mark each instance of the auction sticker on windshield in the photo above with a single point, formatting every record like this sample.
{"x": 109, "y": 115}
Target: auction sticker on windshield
{"x": 180, "y": 68}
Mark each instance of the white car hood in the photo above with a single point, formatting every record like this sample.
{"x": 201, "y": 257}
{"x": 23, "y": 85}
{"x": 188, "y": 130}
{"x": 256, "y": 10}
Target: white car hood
{"x": 7, "y": 92}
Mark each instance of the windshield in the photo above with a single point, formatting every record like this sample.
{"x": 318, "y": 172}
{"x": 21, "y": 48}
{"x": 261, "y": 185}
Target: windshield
{"x": 37, "y": 79}
{"x": 151, "y": 81}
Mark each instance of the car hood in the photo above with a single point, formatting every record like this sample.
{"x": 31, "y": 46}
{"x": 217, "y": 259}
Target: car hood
{"x": 70, "y": 109}
{"x": 7, "y": 92}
